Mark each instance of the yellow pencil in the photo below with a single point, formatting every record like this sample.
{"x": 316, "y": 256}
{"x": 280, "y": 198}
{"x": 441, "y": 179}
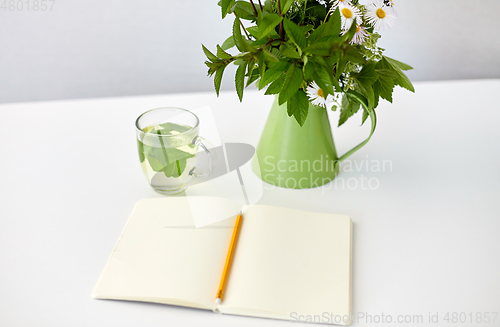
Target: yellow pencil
{"x": 229, "y": 258}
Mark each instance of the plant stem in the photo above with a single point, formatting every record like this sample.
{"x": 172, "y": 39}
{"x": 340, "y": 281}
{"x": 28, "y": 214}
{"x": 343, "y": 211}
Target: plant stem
{"x": 269, "y": 42}
{"x": 281, "y": 23}
{"x": 328, "y": 9}
{"x": 305, "y": 9}
{"x": 327, "y": 15}
{"x": 254, "y": 9}
{"x": 260, "y": 4}
{"x": 244, "y": 29}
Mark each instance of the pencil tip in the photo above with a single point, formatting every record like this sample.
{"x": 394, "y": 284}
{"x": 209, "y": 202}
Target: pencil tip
{"x": 218, "y": 300}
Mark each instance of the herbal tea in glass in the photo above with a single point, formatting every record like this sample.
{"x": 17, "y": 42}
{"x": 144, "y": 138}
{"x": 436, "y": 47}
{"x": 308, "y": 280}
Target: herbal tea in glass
{"x": 168, "y": 143}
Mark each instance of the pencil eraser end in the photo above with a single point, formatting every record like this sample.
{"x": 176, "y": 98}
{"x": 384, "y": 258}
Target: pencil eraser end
{"x": 218, "y": 301}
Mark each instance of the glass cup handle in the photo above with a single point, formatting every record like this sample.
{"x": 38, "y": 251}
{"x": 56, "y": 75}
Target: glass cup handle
{"x": 211, "y": 157}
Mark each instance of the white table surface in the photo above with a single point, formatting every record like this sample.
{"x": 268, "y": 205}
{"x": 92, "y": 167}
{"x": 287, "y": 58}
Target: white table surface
{"x": 425, "y": 241}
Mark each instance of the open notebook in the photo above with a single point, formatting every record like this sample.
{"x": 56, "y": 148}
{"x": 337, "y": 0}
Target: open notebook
{"x": 287, "y": 263}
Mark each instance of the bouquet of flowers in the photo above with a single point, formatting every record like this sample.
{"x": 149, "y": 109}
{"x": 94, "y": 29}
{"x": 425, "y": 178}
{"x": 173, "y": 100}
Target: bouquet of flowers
{"x": 311, "y": 51}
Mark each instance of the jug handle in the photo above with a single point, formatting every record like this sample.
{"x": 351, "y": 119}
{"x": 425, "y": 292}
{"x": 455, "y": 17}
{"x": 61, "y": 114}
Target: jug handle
{"x": 373, "y": 119}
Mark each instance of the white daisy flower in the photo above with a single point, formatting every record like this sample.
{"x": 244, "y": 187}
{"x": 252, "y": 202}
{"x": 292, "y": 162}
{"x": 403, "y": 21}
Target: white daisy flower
{"x": 349, "y": 14}
{"x": 317, "y": 97}
{"x": 380, "y": 16}
{"x": 360, "y": 36}
{"x": 336, "y": 3}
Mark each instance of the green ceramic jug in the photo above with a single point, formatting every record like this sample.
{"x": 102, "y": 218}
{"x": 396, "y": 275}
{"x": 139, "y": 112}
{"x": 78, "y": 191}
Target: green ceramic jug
{"x": 293, "y": 156}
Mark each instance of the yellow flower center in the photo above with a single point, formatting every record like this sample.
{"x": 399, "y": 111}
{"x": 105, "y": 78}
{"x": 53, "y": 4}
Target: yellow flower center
{"x": 348, "y": 13}
{"x": 380, "y": 13}
{"x": 320, "y": 93}
{"x": 357, "y": 28}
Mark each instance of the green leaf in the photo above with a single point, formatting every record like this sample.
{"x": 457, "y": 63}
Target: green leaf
{"x": 282, "y": 65}
{"x": 368, "y": 75}
{"x": 213, "y": 67}
{"x": 306, "y": 28}
{"x": 268, "y": 77}
{"x": 308, "y": 71}
{"x": 385, "y": 73}
{"x": 341, "y": 62}
{"x": 252, "y": 77}
{"x": 366, "y": 114}
{"x": 376, "y": 96}
{"x": 250, "y": 68}
{"x": 169, "y": 128}
{"x": 316, "y": 10}
{"x": 244, "y": 10}
{"x": 330, "y": 61}
{"x": 298, "y": 106}
{"x": 238, "y": 38}
{"x": 295, "y": 33}
{"x": 353, "y": 55}
{"x": 228, "y": 44}
{"x": 261, "y": 63}
{"x": 367, "y": 91}
{"x": 276, "y": 86}
{"x": 209, "y": 55}
{"x": 323, "y": 79}
{"x": 175, "y": 169}
{"x": 398, "y": 64}
{"x": 254, "y": 31}
{"x": 269, "y": 56}
{"x": 156, "y": 158}
{"x": 320, "y": 48}
{"x": 268, "y": 5}
{"x": 255, "y": 76}
{"x": 218, "y": 79}
{"x": 165, "y": 158}
{"x": 285, "y": 5}
{"x": 324, "y": 68}
{"x": 347, "y": 37}
{"x": 140, "y": 148}
{"x": 319, "y": 60}
{"x": 240, "y": 80}
{"x": 225, "y": 6}
{"x": 293, "y": 80}
{"x": 223, "y": 54}
{"x": 358, "y": 97}
{"x": 348, "y": 109}
{"x": 289, "y": 51}
{"x": 365, "y": 79}
{"x": 241, "y": 42}
{"x": 332, "y": 26}
{"x": 384, "y": 89}
{"x": 402, "y": 79}
{"x": 384, "y": 85}
{"x": 316, "y": 34}
{"x": 267, "y": 23}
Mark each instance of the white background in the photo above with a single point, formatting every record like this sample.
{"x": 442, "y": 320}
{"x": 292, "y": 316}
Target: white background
{"x": 130, "y": 47}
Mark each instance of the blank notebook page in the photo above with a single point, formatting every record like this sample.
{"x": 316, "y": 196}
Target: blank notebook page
{"x": 161, "y": 257}
{"x": 290, "y": 261}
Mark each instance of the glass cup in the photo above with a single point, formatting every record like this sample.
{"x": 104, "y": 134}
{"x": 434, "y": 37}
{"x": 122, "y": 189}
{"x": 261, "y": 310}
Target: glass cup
{"x": 168, "y": 143}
